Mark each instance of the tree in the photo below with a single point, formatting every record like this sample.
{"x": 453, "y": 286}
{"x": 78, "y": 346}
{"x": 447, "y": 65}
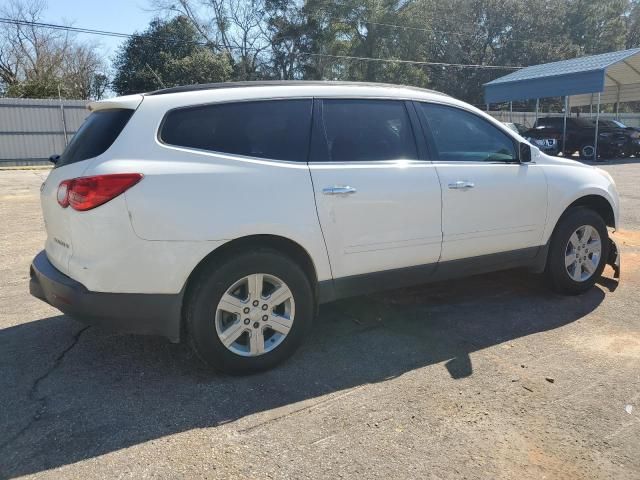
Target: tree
{"x": 234, "y": 27}
{"x": 288, "y": 33}
{"x": 37, "y": 62}
{"x": 377, "y": 40}
{"x": 633, "y": 25}
{"x": 168, "y": 53}
{"x": 597, "y": 26}
{"x": 370, "y": 30}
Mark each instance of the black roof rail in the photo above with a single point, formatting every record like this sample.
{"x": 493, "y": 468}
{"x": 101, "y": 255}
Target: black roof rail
{"x": 280, "y": 83}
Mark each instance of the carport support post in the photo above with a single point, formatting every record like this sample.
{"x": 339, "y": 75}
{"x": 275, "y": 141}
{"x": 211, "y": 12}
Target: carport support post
{"x": 564, "y": 124}
{"x": 511, "y": 112}
{"x": 595, "y": 142}
{"x": 537, "y": 108}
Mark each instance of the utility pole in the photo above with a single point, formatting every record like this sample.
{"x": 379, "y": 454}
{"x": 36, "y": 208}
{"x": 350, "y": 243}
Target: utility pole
{"x": 64, "y": 122}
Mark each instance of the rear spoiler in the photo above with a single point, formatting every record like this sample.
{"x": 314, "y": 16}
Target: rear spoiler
{"x": 130, "y": 102}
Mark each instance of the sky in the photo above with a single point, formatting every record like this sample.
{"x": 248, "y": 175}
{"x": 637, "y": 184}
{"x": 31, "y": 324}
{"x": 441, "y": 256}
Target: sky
{"x": 123, "y": 16}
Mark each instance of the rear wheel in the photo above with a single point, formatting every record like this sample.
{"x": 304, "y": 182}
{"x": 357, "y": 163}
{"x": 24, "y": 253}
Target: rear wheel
{"x": 250, "y": 312}
{"x": 578, "y": 251}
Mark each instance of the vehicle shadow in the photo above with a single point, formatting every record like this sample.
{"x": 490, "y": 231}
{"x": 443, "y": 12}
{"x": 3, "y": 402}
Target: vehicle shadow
{"x": 66, "y": 402}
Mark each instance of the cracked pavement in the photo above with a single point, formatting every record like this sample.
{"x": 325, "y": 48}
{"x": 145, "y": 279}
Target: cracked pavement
{"x": 487, "y": 377}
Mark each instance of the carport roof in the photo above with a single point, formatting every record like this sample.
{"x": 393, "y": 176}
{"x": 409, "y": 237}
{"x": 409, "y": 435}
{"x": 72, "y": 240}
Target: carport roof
{"x": 615, "y": 74}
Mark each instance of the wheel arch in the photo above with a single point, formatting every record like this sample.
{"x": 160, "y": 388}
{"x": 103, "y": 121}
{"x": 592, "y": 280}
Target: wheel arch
{"x": 595, "y": 201}
{"x": 599, "y": 204}
{"x": 286, "y": 246}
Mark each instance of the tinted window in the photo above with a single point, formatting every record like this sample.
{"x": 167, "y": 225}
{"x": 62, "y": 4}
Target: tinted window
{"x": 367, "y": 130}
{"x": 463, "y": 136}
{"x": 275, "y": 129}
{"x": 580, "y": 122}
{"x": 96, "y": 134}
{"x": 550, "y": 122}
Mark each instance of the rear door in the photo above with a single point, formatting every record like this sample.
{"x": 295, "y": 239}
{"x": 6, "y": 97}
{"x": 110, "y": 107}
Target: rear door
{"x": 491, "y": 203}
{"x": 378, "y": 202}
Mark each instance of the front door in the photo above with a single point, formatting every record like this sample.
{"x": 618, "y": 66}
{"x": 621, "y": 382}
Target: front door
{"x": 491, "y": 203}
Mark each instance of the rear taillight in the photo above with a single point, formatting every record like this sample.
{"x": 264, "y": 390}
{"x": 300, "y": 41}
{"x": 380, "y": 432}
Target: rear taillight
{"x": 85, "y": 193}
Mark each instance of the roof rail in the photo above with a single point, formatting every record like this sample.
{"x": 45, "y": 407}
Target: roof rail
{"x": 279, "y": 83}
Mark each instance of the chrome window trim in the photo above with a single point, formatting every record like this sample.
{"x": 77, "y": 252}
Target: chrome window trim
{"x": 233, "y": 156}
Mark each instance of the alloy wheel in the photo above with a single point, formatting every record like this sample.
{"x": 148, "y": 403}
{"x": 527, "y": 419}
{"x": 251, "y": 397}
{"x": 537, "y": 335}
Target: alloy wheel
{"x": 255, "y": 315}
{"x": 583, "y": 253}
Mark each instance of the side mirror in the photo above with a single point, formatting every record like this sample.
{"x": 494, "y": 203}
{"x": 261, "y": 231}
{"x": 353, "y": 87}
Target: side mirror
{"x": 54, "y": 158}
{"x": 524, "y": 153}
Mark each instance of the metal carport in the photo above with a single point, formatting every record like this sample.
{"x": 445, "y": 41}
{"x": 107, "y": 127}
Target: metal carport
{"x": 612, "y": 77}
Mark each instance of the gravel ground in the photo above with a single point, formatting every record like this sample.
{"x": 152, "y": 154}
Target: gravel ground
{"x": 488, "y": 377}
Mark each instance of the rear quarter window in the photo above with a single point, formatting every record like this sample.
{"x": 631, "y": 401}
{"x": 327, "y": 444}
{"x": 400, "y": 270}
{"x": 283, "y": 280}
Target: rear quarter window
{"x": 95, "y": 136}
{"x": 273, "y": 129}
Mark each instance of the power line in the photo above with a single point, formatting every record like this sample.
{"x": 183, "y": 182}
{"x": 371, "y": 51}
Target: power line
{"x": 391, "y": 25}
{"x": 414, "y": 62}
{"x": 468, "y": 33}
{"x": 107, "y": 33}
{"x": 68, "y": 28}
{"x": 435, "y": 31}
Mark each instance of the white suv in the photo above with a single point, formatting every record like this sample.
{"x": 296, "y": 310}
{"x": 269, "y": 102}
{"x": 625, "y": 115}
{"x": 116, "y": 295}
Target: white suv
{"x": 224, "y": 214}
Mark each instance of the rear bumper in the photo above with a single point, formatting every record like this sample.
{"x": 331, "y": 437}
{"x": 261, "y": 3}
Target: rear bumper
{"x": 147, "y": 314}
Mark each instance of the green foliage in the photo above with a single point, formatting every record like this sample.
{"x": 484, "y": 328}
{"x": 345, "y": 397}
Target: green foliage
{"x": 348, "y": 39}
{"x": 167, "y": 54}
{"x": 38, "y": 88}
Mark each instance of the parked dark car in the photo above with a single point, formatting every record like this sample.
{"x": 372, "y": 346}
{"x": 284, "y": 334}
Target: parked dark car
{"x": 613, "y": 140}
{"x": 632, "y": 146}
{"x": 548, "y": 145}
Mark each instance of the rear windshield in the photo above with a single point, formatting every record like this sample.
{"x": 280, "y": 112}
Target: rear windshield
{"x": 96, "y": 134}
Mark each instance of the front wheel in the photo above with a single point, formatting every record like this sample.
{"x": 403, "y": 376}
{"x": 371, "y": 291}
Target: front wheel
{"x": 587, "y": 152}
{"x": 250, "y": 312}
{"x": 578, "y": 251}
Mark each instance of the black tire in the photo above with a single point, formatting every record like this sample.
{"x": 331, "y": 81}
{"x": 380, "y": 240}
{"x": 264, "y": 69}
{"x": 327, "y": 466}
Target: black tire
{"x": 215, "y": 279}
{"x": 587, "y": 152}
{"x": 556, "y": 272}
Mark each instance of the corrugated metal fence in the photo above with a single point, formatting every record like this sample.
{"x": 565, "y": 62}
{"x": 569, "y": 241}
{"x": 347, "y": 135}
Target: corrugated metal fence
{"x": 33, "y": 129}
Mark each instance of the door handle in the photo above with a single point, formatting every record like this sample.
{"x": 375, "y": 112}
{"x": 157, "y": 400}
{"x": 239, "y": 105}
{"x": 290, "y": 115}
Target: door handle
{"x": 339, "y": 190}
{"x": 461, "y": 185}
